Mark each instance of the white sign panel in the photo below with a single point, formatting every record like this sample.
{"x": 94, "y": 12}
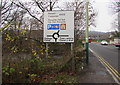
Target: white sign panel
{"x": 58, "y": 26}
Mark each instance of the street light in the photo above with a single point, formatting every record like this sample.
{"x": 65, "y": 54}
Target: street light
{"x": 86, "y": 34}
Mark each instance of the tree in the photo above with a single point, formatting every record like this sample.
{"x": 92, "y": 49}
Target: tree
{"x": 79, "y": 13}
{"x": 35, "y": 8}
{"x": 7, "y": 9}
{"x": 116, "y": 10}
{"x": 116, "y": 6}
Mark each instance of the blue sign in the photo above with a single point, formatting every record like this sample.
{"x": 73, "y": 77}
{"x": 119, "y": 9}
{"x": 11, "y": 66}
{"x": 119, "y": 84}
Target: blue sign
{"x": 53, "y": 26}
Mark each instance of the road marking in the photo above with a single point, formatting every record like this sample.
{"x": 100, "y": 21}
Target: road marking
{"x": 108, "y": 64}
{"x": 110, "y": 69}
{"x": 116, "y": 80}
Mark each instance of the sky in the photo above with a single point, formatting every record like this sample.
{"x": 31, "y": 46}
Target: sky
{"x": 105, "y": 16}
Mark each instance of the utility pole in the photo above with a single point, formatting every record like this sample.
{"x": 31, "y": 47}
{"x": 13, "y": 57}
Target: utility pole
{"x": 86, "y": 34}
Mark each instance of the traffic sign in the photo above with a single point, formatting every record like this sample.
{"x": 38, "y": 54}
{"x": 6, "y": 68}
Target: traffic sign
{"x": 58, "y": 26}
{"x": 53, "y": 27}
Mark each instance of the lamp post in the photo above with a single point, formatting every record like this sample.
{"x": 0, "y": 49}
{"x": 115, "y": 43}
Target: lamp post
{"x": 86, "y": 34}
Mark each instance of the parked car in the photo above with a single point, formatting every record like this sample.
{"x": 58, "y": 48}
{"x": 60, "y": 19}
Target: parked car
{"x": 104, "y": 42}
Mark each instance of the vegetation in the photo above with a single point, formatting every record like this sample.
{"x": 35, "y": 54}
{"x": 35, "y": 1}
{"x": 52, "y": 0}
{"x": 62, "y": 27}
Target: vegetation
{"x": 116, "y": 34}
{"x": 115, "y": 5}
{"x": 26, "y": 62}
{"x": 24, "y": 52}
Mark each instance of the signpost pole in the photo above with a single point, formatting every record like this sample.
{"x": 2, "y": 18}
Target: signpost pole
{"x": 46, "y": 50}
{"x": 73, "y": 61}
{"x": 86, "y": 32}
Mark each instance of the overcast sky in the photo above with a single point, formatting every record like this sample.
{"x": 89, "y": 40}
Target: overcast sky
{"x": 105, "y": 16}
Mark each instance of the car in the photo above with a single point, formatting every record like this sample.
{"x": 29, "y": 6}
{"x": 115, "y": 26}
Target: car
{"x": 90, "y": 40}
{"x": 104, "y": 42}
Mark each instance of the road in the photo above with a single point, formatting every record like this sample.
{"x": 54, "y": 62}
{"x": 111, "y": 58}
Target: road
{"x": 109, "y": 53}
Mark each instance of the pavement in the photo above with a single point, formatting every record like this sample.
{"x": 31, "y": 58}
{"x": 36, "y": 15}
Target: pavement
{"x": 96, "y": 73}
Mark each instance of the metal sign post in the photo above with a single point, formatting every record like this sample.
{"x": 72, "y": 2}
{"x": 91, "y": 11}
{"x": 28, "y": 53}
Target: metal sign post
{"x": 46, "y": 50}
{"x": 73, "y": 60}
{"x": 59, "y": 27}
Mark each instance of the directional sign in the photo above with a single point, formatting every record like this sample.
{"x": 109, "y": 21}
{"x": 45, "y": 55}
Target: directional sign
{"x": 58, "y": 26}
